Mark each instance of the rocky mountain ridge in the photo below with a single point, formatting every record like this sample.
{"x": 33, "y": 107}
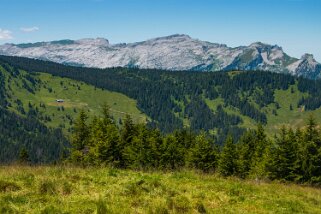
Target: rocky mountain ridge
{"x": 175, "y": 52}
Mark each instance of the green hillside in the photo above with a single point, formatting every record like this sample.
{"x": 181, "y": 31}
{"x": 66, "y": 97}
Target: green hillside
{"x": 218, "y": 102}
{"x": 39, "y": 92}
{"x": 286, "y": 112}
{"x": 192, "y": 113}
{"x": 101, "y": 191}
{"x": 24, "y": 133}
{"x": 289, "y": 113}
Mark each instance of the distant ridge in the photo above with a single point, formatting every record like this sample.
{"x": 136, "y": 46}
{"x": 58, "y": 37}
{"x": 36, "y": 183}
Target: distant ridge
{"x": 174, "y": 52}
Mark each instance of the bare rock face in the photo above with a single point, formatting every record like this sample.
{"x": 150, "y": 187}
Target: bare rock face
{"x": 175, "y": 52}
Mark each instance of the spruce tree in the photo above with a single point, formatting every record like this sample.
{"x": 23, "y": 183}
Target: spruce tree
{"x": 172, "y": 153}
{"x": 228, "y": 163}
{"x": 155, "y": 141}
{"x": 311, "y": 156}
{"x": 127, "y": 133}
{"x": 204, "y": 154}
{"x": 108, "y": 147}
{"x": 300, "y": 155}
{"x": 80, "y": 138}
{"x": 107, "y": 117}
{"x": 128, "y": 129}
{"x": 245, "y": 152}
{"x": 283, "y": 157}
{"x": 23, "y": 156}
{"x": 95, "y": 134}
{"x": 260, "y": 155}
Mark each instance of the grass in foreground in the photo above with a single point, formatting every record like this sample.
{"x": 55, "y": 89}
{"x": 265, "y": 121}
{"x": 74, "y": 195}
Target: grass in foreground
{"x": 103, "y": 190}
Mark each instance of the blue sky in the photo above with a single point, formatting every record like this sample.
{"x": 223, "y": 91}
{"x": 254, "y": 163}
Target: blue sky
{"x": 293, "y": 24}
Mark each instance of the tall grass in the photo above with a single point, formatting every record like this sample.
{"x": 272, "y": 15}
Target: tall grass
{"x": 57, "y": 189}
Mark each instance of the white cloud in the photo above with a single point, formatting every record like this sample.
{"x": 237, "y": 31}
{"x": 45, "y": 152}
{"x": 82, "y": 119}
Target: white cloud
{"x": 5, "y": 34}
{"x": 29, "y": 29}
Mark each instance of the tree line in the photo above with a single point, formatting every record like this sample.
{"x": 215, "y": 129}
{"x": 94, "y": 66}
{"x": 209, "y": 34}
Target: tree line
{"x": 25, "y": 133}
{"x": 291, "y": 156}
{"x": 168, "y": 97}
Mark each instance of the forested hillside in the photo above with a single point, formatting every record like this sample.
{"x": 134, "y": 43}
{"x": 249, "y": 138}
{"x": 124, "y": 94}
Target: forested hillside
{"x": 26, "y": 133}
{"x": 33, "y": 121}
{"x": 218, "y": 102}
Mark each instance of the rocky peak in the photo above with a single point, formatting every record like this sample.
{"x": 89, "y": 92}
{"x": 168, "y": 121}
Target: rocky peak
{"x": 257, "y": 44}
{"x": 94, "y": 42}
{"x": 170, "y": 39}
{"x": 264, "y": 46}
{"x": 308, "y": 57}
{"x": 174, "y": 52}
{"x": 176, "y": 36}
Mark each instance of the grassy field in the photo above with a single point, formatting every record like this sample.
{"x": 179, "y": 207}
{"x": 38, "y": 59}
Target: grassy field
{"x": 103, "y": 190}
{"x": 76, "y": 96}
{"x": 295, "y": 118}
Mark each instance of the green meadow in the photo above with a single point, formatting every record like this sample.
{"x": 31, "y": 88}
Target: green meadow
{"x": 66, "y": 189}
{"x": 75, "y": 95}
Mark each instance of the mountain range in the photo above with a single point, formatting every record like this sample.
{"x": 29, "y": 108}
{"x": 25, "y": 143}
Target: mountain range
{"x": 175, "y": 52}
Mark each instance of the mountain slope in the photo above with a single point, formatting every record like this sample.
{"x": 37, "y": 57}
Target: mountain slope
{"x": 18, "y": 132}
{"x": 175, "y": 52}
{"x": 38, "y": 92}
{"x": 31, "y": 118}
{"x": 218, "y": 102}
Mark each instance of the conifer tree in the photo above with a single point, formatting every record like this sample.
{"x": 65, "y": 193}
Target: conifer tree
{"x": 95, "y": 134}
{"x": 260, "y": 155}
{"x": 227, "y": 162}
{"x": 185, "y": 137}
{"x": 128, "y": 129}
{"x": 155, "y": 141}
{"x": 107, "y": 117}
{"x": 23, "y": 156}
{"x": 311, "y": 156}
{"x": 204, "y": 154}
{"x": 108, "y": 146}
{"x": 283, "y": 157}
{"x": 127, "y": 134}
{"x": 299, "y": 153}
{"x": 80, "y": 138}
{"x": 245, "y": 149}
{"x": 172, "y": 153}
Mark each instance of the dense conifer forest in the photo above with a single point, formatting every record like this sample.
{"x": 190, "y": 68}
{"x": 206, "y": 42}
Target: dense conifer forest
{"x": 18, "y": 133}
{"x": 168, "y": 97}
{"x": 211, "y": 141}
{"x": 293, "y": 155}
